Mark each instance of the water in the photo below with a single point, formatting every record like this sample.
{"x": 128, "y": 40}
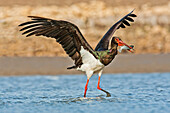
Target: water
{"x": 131, "y": 93}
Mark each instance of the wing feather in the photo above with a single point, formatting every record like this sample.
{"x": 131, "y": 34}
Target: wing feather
{"x": 122, "y": 23}
{"x": 65, "y": 33}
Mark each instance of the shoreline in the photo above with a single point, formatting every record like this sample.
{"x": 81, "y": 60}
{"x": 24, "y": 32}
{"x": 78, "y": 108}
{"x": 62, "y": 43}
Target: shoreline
{"x": 123, "y": 63}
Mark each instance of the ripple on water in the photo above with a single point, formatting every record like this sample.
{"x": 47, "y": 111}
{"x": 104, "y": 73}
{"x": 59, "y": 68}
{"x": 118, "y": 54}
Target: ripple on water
{"x": 130, "y": 92}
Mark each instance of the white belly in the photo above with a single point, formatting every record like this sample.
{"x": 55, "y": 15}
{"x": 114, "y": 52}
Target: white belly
{"x": 90, "y": 63}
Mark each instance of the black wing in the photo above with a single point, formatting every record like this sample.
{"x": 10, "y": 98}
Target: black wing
{"x": 65, "y": 33}
{"x": 104, "y": 42}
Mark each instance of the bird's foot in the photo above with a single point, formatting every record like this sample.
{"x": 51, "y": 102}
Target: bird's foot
{"x": 107, "y": 93}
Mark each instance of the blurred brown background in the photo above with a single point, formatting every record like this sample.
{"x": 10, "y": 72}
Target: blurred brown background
{"x": 150, "y": 33}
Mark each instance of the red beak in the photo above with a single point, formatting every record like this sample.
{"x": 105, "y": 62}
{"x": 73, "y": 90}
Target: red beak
{"x": 121, "y": 43}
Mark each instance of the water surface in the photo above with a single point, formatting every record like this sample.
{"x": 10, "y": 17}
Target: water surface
{"x": 131, "y": 93}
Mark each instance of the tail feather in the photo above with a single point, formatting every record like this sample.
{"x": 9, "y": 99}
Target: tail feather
{"x": 73, "y": 67}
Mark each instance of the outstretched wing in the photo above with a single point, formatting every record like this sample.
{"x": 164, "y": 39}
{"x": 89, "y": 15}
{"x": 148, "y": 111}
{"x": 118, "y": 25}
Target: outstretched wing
{"x": 104, "y": 42}
{"x": 65, "y": 33}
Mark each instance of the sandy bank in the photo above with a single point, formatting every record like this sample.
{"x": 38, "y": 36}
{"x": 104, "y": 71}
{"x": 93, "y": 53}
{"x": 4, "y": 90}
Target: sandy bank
{"x": 129, "y": 63}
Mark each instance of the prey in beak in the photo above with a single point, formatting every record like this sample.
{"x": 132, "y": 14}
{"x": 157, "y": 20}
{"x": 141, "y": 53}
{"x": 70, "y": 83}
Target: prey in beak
{"x": 124, "y": 46}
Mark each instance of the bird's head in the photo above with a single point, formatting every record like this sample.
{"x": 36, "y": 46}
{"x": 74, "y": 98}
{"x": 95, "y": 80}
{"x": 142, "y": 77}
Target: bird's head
{"x": 118, "y": 42}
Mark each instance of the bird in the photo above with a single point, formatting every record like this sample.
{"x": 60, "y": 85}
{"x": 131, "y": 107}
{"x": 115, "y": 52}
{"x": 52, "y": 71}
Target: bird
{"x": 86, "y": 59}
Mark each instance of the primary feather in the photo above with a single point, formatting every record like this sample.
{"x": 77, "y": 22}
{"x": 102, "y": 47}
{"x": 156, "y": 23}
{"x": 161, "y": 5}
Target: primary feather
{"x": 122, "y": 23}
{"x": 65, "y": 33}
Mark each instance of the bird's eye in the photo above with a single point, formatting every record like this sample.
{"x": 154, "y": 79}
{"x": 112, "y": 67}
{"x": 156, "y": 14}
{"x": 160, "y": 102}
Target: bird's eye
{"x": 116, "y": 39}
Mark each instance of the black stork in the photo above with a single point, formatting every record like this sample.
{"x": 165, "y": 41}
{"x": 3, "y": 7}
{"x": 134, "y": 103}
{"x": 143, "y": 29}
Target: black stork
{"x": 85, "y": 58}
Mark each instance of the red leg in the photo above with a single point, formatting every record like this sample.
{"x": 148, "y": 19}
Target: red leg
{"x": 98, "y": 87}
{"x": 86, "y": 87}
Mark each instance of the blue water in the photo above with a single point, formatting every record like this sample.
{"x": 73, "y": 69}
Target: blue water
{"x": 131, "y": 93}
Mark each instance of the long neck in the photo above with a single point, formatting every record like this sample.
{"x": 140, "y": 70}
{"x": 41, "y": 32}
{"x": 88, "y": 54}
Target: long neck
{"x": 114, "y": 46}
{"x": 107, "y": 58}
